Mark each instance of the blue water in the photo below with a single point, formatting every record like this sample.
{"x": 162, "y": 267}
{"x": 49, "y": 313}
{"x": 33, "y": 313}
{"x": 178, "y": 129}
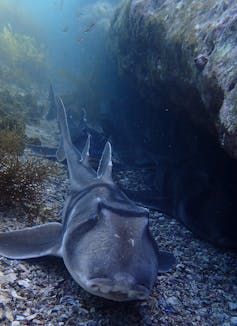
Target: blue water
{"x": 61, "y": 27}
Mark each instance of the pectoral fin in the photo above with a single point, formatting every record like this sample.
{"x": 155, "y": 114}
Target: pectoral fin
{"x": 165, "y": 261}
{"x": 37, "y": 241}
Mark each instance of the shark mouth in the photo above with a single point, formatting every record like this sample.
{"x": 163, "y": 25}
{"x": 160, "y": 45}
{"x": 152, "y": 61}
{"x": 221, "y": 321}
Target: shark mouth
{"x": 117, "y": 290}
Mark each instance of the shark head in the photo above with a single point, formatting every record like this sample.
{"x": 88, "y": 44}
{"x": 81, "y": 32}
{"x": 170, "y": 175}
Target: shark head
{"x": 116, "y": 258}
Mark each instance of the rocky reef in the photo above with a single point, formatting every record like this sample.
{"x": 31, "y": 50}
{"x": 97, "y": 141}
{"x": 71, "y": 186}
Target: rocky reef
{"x": 184, "y": 51}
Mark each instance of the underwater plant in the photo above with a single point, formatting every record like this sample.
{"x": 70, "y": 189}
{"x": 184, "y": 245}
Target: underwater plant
{"x": 22, "y": 59}
{"x": 21, "y": 179}
{"x": 11, "y": 137}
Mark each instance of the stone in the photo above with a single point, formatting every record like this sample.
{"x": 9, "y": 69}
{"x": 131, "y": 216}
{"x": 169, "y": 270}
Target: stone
{"x": 173, "y": 301}
{"x": 24, "y": 283}
{"x": 9, "y": 314}
{"x": 232, "y": 306}
{"x": 7, "y": 278}
{"x": 186, "y": 49}
{"x": 4, "y": 298}
{"x": 15, "y": 323}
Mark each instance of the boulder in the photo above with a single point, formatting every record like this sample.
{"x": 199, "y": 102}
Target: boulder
{"x": 184, "y": 51}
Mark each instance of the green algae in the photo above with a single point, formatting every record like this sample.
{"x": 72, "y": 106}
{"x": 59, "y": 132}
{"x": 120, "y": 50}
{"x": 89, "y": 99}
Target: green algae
{"x": 23, "y": 61}
{"x": 21, "y": 179}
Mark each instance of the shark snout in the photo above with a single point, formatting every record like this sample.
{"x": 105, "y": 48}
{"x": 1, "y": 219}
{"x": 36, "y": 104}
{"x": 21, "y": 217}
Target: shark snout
{"x": 123, "y": 287}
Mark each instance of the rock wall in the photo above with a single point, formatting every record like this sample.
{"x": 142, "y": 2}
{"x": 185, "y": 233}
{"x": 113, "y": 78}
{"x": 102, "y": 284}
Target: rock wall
{"x": 185, "y": 51}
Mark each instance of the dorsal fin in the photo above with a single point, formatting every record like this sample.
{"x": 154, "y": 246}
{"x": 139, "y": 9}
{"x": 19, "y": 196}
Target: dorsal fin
{"x": 104, "y": 170}
{"x": 80, "y": 174}
{"x": 65, "y": 134}
{"x": 86, "y": 151}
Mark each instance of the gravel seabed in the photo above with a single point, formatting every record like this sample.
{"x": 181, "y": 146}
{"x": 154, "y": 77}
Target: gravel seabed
{"x": 200, "y": 290}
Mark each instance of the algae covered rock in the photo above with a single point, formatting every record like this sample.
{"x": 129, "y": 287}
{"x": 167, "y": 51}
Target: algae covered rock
{"x": 184, "y": 51}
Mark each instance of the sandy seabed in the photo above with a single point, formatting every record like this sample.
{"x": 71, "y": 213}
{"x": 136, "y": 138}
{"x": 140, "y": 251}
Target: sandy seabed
{"x": 200, "y": 290}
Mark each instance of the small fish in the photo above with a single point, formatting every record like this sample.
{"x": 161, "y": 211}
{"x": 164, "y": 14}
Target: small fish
{"x": 79, "y": 14}
{"x": 89, "y": 28}
{"x": 65, "y": 29}
{"x": 80, "y": 39}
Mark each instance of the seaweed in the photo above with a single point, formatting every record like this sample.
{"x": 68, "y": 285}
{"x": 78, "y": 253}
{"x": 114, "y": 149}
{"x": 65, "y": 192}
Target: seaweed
{"x": 11, "y": 138}
{"x": 22, "y": 59}
{"x": 21, "y": 179}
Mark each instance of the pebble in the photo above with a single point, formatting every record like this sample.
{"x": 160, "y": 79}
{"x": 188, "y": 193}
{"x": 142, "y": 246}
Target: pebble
{"x": 221, "y": 316}
{"x": 5, "y": 298}
{"x": 1, "y": 314}
{"x": 20, "y": 318}
{"x": 38, "y": 322}
{"x": 92, "y": 323}
{"x": 233, "y": 305}
{"x": 161, "y": 218}
{"x": 25, "y": 283}
{"x": 9, "y": 314}
{"x": 31, "y": 317}
{"x": 15, "y": 323}
{"x": 173, "y": 301}
{"x": 7, "y": 278}
{"x": 233, "y": 320}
